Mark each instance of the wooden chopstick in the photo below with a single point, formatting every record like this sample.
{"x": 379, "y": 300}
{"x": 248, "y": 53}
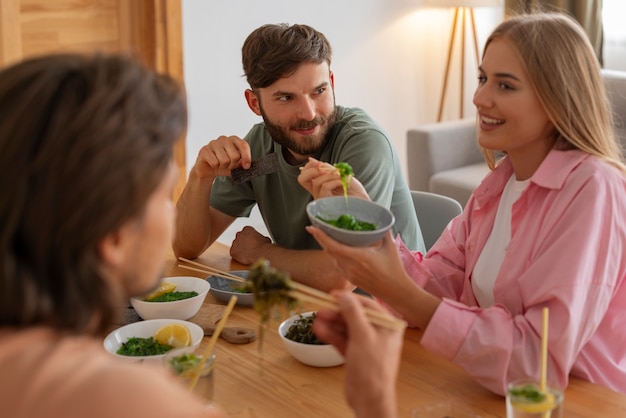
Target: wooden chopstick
{"x": 213, "y": 273}
{"x": 325, "y": 298}
{"x": 324, "y": 169}
{"x": 209, "y": 348}
{"x": 307, "y": 294}
{"x": 375, "y": 317}
{"x": 210, "y": 270}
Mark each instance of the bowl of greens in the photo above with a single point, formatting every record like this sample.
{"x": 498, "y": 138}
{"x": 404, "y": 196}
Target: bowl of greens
{"x": 176, "y": 298}
{"x": 150, "y": 340}
{"x": 351, "y": 220}
{"x": 304, "y": 345}
{"x": 222, "y": 289}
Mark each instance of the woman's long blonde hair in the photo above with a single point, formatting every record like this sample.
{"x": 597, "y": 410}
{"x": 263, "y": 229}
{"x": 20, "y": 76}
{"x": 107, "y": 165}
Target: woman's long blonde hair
{"x": 565, "y": 74}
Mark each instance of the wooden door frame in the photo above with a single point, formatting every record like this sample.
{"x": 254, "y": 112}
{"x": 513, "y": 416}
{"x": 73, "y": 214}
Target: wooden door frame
{"x": 149, "y": 29}
{"x": 10, "y": 32}
{"x": 163, "y": 51}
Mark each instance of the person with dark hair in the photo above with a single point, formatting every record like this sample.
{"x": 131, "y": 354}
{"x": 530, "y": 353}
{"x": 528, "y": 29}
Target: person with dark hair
{"x": 86, "y": 221}
{"x": 292, "y": 89}
{"x": 545, "y": 228}
{"x": 87, "y": 178}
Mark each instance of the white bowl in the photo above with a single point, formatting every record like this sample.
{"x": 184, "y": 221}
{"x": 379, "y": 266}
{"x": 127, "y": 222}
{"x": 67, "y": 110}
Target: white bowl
{"x": 222, "y": 289}
{"x": 331, "y": 208}
{"x": 325, "y": 355}
{"x": 178, "y": 309}
{"x": 145, "y": 329}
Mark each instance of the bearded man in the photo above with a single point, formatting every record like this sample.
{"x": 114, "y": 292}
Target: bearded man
{"x": 292, "y": 89}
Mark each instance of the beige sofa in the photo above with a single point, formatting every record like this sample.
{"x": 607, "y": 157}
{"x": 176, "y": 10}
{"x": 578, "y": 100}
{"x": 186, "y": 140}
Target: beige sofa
{"x": 444, "y": 157}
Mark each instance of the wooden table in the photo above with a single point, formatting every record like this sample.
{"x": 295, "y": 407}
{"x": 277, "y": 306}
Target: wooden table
{"x": 271, "y": 383}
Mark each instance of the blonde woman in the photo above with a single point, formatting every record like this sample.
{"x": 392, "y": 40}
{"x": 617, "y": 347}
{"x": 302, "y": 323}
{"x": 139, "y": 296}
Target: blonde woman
{"x": 546, "y": 228}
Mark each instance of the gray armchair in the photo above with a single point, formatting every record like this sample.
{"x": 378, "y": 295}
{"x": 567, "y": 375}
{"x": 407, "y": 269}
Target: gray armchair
{"x": 444, "y": 157}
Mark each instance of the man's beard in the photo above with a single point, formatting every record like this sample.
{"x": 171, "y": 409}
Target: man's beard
{"x": 304, "y": 145}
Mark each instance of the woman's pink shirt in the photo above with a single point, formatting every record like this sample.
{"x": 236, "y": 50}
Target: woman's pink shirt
{"x": 567, "y": 252}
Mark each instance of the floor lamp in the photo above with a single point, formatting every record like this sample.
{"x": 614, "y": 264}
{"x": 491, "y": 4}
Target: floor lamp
{"x": 462, "y": 8}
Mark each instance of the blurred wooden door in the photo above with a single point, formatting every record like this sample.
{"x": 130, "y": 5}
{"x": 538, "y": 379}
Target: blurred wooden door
{"x": 148, "y": 29}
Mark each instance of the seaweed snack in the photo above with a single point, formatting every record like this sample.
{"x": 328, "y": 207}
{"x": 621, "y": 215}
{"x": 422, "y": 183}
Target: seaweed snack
{"x": 345, "y": 174}
{"x": 350, "y": 223}
{"x": 166, "y": 292}
{"x": 164, "y": 339}
{"x": 137, "y": 346}
{"x": 301, "y": 331}
{"x": 173, "y": 296}
{"x": 528, "y": 399}
{"x": 271, "y": 290}
{"x": 185, "y": 363}
{"x": 529, "y": 392}
{"x": 240, "y": 289}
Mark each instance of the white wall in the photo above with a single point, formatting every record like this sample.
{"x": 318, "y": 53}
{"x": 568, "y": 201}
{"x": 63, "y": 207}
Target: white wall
{"x": 614, "y": 48}
{"x": 388, "y": 58}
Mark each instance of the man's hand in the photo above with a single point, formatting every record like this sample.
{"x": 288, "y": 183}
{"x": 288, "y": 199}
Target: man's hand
{"x": 221, "y": 155}
{"x": 246, "y": 248}
{"x": 323, "y": 180}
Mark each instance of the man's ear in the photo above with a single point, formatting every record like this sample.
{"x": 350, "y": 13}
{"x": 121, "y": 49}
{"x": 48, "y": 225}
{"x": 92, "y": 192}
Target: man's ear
{"x": 332, "y": 80}
{"x": 253, "y": 102}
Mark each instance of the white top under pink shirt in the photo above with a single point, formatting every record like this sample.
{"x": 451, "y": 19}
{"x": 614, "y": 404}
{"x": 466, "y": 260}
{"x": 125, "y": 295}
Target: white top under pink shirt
{"x": 490, "y": 259}
{"x": 567, "y": 252}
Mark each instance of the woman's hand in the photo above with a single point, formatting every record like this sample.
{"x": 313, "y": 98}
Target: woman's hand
{"x": 372, "y": 354}
{"x": 323, "y": 180}
{"x": 379, "y": 271}
{"x": 373, "y": 269}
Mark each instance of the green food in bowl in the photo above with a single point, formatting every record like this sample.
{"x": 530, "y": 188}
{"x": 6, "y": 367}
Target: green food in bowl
{"x": 529, "y": 393}
{"x": 316, "y": 355}
{"x": 301, "y": 331}
{"x": 350, "y": 223}
{"x": 240, "y": 289}
{"x": 345, "y": 174}
{"x": 173, "y": 296}
{"x": 222, "y": 289}
{"x": 137, "y": 346}
{"x": 529, "y": 398}
{"x": 184, "y": 363}
{"x": 362, "y": 210}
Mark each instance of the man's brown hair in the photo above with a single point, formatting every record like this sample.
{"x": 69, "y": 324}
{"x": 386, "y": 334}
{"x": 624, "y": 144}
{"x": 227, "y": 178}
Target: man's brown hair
{"x": 275, "y": 51}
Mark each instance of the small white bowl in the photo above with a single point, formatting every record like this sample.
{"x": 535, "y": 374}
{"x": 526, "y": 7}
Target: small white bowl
{"x": 145, "y": 329}
{"x": 178, "y": 309}
{"x": 331, "y": 208}
{"x": 325, "y": 355}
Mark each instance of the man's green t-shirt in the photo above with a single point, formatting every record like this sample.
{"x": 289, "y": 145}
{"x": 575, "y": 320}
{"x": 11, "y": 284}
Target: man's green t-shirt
{"x": 355, "y": 139}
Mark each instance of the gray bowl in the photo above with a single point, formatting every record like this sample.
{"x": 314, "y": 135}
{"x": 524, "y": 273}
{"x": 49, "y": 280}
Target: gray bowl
{"x": 363, "y": 210}
{"x": 222, "y": 289}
